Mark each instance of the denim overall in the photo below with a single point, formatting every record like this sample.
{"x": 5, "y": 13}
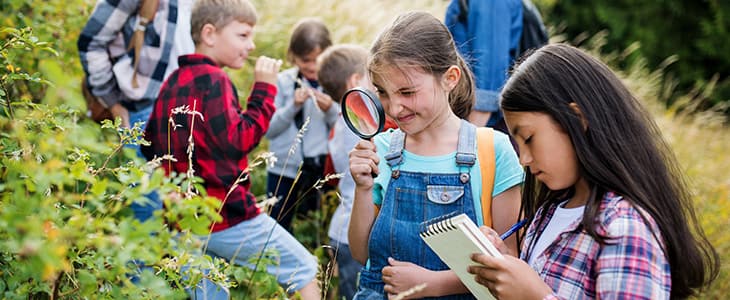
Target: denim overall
{"x": 412, "y": 198}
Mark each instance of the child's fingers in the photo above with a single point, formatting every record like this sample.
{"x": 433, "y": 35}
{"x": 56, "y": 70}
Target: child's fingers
{"x": 267, "y": 64}
{"x": 491, "y": 235}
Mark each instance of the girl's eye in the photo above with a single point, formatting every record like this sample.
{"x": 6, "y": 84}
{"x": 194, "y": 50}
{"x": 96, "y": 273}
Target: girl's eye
{"x": 407, "y": 93}
{"x": 528, "y": 140}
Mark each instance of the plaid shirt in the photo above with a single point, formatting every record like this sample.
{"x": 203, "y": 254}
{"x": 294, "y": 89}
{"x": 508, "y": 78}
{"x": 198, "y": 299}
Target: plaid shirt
{"x": 223, "y": 135}
{"x": 109, "y": 65}
{"x": 631, "y": 266}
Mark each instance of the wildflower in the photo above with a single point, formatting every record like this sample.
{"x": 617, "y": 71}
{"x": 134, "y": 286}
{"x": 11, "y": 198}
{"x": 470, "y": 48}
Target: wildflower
{"x": 298, "y": 138}
{"x": 320, "y": 183}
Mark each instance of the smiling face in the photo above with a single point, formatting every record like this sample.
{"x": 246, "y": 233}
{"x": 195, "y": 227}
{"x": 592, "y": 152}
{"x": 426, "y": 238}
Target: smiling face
{"x": 545, "y": 148}
{"x": 307, "y": 64}
{"x": 416, "y": 100}
{"x": 232, "y": 44}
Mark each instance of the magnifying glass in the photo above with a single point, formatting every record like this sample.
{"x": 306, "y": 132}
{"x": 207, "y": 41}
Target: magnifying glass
{"x": 363, "y": 113}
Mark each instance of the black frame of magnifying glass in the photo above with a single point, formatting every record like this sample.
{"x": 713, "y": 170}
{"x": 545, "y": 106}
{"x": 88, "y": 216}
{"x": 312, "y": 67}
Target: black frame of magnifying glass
{"x": 378, "y": 108}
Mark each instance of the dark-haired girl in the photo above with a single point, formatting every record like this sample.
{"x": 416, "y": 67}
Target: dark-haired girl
{"x": 611, "y": 217}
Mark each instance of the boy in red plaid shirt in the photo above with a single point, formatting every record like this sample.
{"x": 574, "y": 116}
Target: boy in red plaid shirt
{"x": 223, "y": 135}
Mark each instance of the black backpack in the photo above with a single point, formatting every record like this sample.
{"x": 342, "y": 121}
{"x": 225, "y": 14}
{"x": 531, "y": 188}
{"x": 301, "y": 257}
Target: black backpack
{"x": 534, "y": 34}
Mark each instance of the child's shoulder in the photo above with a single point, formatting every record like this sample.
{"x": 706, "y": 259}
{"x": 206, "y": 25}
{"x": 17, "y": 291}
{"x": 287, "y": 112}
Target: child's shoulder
{"x": 288, "y": 75}
{"x": 620, "y": 217}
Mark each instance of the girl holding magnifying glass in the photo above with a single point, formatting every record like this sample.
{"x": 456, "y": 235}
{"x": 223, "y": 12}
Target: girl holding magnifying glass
{"x": 426, "y": 87}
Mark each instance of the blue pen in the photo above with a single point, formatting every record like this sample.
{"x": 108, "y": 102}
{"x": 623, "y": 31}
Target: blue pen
{"x": 513, "y": 229}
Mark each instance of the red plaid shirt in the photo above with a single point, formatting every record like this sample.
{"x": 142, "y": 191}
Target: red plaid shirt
{"x": 223, "y": 137}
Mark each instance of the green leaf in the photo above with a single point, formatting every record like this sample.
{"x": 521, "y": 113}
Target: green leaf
{"x": 87, "y": 282}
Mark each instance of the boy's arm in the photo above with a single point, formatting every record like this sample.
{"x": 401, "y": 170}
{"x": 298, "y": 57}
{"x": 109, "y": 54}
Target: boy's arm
{"x": 103, "y": 27}
{"x": 332, "y": 114}
{"x": 234, "y": 129}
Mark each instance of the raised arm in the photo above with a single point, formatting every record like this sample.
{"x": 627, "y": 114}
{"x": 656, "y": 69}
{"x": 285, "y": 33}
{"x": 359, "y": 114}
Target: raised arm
{"x": 243, "y": 130}
{"x": 363, "y": 162}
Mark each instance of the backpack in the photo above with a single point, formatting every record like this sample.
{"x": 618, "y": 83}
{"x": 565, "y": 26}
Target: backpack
{"x": 534, "y": 35}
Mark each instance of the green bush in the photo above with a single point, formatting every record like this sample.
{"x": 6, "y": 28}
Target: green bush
{"x": 696, "y": 32}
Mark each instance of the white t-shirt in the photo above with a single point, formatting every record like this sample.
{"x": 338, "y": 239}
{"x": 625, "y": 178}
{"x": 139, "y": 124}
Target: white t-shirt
{"x": 562, "y": 218}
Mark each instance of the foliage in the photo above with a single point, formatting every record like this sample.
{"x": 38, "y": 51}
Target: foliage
{"x": 66, "y": 183}
{"x": 696, "y": 32}
{"x": 65, "y": 227}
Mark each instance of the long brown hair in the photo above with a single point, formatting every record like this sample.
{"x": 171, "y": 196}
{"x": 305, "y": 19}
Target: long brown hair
{"x": 418, "y": 39}
{"x": 621, "y": 151}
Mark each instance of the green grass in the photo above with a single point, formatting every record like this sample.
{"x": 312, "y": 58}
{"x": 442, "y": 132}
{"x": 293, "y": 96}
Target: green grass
{"x": 700, "y": 141}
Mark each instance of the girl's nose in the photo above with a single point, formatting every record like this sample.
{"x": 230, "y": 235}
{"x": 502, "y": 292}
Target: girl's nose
{"x": 393, "y": 107}
{"x": 525, "y": 157}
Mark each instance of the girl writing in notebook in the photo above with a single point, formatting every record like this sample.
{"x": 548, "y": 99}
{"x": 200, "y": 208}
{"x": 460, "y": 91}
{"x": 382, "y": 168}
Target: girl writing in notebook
{"x": 611, "y": 217}
{"x": 426, "y": 87}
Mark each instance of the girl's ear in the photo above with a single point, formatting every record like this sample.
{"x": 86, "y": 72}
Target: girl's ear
{"x": 208, "y": 35}
{"x": 452, "y": 77}
{"x": 577, "y": 111}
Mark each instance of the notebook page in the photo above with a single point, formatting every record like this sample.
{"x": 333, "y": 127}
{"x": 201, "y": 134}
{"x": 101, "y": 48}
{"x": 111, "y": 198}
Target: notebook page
{"x": 454, "y": 242}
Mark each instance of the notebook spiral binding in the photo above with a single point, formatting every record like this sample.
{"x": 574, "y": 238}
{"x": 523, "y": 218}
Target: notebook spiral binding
{"x": 437, "y": 225}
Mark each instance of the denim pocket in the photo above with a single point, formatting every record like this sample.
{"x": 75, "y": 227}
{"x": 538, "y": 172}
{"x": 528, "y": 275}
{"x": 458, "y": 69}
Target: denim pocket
{"x": 444, "y": 194}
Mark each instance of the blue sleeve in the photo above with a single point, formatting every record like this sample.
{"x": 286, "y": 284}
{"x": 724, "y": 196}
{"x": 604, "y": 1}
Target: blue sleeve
{"x": 509, "y": 172}
{"x": 485, "y": 42}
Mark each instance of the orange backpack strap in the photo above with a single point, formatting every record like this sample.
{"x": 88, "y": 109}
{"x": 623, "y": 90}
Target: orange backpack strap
{"x": 485, "y": 154}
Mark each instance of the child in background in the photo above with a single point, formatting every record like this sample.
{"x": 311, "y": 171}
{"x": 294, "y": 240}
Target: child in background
{"x": 427, "y": 88}
{"x": 224, "y": 135}
{"x": 341, "y": 68}
{"x": 299, "y": 99}
{"x": 611, "y": 215}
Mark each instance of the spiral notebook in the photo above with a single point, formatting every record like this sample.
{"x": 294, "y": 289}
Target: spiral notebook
{"x": 454, "y": 239}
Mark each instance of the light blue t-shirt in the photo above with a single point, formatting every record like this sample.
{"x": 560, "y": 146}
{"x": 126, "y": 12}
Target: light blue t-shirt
{"x": 509, "y": 172}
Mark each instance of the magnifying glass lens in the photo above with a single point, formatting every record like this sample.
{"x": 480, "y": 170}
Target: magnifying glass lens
{"x": 362, "y": 113}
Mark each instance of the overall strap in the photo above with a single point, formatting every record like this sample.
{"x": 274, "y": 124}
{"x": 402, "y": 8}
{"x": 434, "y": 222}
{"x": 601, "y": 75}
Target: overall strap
{"x": 485, "y": 151}
{"x": 395, "y": 151}
{"x": 465, "y": 150}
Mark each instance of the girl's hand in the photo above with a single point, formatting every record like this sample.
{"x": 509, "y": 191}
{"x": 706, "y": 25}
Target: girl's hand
{"x": 363, "y": 163}
{"x": 493, "y": 237}
{"x": 323, "y": 101}
{"x": 400, "y": 276}
{"x": 508, "y": 277}
{"x": 266, "y": 69}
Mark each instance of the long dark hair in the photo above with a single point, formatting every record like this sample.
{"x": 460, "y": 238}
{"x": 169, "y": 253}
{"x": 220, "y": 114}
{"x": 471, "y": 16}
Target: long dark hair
{"x": 621, "y": 151}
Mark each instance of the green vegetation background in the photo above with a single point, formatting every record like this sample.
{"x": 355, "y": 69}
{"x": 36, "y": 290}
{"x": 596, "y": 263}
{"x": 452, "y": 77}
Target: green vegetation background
{"x": 64, "y": 232}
